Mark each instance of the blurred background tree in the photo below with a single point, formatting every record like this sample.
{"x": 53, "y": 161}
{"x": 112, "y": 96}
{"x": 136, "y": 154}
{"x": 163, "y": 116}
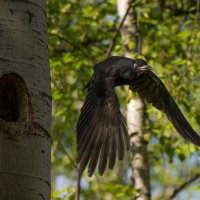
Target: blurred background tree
{"x": 80, "y": 35}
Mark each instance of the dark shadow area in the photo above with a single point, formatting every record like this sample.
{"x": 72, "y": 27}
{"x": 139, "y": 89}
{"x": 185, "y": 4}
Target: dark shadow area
{"x": 14, "y": 105}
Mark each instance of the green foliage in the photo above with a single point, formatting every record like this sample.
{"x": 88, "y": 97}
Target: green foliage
{"x": 61, "y": 194}
{"x": 80, "y": 33}
{"x": 109, "y": 191}
{"x": 198, "y": 186}
{"x": 121, "y": 191}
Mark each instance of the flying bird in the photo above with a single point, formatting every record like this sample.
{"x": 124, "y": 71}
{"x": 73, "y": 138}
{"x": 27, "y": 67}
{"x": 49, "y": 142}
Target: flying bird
{"x": 101, "y": 129}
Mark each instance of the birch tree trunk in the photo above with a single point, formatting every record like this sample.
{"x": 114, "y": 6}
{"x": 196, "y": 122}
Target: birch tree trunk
{"x": 25, "y": 101}
{"x": 135, "y": 110}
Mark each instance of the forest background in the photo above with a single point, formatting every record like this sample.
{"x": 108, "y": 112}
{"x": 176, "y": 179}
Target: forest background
{"x": 83, "y": 33}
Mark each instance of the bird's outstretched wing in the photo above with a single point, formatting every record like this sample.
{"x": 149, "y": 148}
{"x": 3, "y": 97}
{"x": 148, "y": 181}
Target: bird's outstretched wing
{"x": 101, "y": 131}
{"x": 151, "y": 88}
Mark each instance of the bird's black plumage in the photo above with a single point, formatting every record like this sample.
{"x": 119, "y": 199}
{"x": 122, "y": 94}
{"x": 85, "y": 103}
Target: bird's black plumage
{"x": 101, "y": 128}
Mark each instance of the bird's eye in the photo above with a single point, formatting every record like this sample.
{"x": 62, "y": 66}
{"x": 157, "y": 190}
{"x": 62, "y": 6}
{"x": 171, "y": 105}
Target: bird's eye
{"x": 135, "y": 65}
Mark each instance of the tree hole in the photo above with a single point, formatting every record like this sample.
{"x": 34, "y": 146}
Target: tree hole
{"x": 14, "y": 98}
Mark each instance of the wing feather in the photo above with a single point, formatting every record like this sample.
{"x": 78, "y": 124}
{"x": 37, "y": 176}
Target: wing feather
{"x": 100, "y": 133}
{"x": 101, "y": 130}
{"x": 104, "y": 153}
{"x": 158, "y": 95}
{"x": 112, "y": 148}
{"x": 120, "y": 141}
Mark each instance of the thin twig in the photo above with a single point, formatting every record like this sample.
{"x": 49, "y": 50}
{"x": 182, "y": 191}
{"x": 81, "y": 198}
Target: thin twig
{"x": 78, "y": 186}
{"x": 67, "y": 154}
{"x": 77, "y": 47}
{"x": 78, "y": 178}
{"x": 194, "y": 34}
{"x": 112, "y": 44}
{"x": 183, "y": 185}
{"x": 137, "y": 37}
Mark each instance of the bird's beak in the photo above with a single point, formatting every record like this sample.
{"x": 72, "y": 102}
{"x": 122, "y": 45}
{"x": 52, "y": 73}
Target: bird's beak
{"x": 145, "y": 68}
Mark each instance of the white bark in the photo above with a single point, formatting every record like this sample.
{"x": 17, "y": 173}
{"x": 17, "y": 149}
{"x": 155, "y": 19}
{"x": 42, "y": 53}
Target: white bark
{"x": 25, "y": 84}
{"x": 139, "y": 153}
{"x": 128, "y": 30}
{"x": 135, "y": 112}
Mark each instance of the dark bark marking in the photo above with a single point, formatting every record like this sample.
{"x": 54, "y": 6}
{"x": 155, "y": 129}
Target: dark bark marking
{"x": 41, "y": 128}
{"x": 16, "y": 61}
{"x": 28, "y": 175}
{"x": 37, "y": 32}
{"x": 44, "y": 94}
{"x": 46, "y": 97}
{"x": 47, "y": 182}
{"x": 30, "y": 15}
{"x": 12, "y": 11}
{"x": 41, "y": 195}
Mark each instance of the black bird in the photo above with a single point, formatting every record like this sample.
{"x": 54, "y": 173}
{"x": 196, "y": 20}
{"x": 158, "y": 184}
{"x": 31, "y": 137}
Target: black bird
{"x": 101, "y": 128}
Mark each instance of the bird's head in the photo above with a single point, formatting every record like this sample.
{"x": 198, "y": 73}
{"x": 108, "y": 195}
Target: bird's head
{"x": 129, "y": 69}
{"x": 141, "y": 66}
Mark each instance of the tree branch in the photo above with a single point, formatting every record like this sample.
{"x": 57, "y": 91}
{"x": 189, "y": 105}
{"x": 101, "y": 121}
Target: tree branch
{"x": 78, "y": 186}
{"x": 112, "y": 44}
{"x": 67, "y": 154}
{"x": 184, "y": 185}
{"x": 77, "y": 47}
{"x": 78, "y": 181}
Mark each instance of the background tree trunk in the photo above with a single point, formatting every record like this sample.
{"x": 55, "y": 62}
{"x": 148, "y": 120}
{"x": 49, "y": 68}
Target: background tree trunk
{"x": 25, "y": 101}
{"x": 135, "y": 108}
